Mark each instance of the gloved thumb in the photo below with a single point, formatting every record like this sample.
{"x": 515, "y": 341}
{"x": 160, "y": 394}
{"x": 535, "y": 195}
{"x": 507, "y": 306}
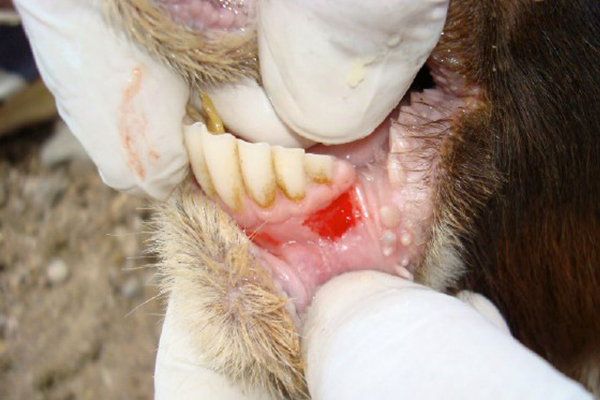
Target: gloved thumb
{"x": 372, "y": 335}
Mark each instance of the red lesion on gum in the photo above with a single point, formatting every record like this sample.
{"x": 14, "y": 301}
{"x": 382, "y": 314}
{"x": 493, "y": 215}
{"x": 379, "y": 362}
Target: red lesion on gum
{"x": 334, "y": 220}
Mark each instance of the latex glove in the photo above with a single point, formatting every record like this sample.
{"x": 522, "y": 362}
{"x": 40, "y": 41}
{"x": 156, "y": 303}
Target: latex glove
{"x": 180, "y": 371}
{"x": 369, "y": 335}
{"x": 374, "y": 336}
{"x": 125, "y": 108}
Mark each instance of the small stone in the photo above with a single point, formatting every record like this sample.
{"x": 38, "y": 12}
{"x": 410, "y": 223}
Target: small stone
{"x": 3, "y": 324}
{"x": 57, "y": 271}
{"x": 3, "y": 193}
{"x": 17, "y": 280}
{"x": 131, "y": 288}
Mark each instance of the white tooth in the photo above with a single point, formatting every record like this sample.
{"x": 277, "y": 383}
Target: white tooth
{"x": 221, "y": 155}
{"x": 247, "y": 112}
{"x": 334, "y": 70}
{"x": 319, "y": 168}
{"x": 257, "y": 171}
{"x": 192, "y": 135}
{"x": 289, "y": 170}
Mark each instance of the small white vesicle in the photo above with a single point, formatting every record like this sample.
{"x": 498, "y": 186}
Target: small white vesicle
{"x": 389, "y": 243}
{"x": 390, "y": 216}
{"x": 406, "y": 238}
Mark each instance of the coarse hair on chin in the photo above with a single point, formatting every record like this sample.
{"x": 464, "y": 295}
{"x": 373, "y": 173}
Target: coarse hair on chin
{"x": 238, "y": 320}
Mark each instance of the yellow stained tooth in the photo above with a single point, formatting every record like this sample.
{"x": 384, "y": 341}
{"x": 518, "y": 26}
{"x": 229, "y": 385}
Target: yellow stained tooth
{"x": 319, "y": 168}
{"x": 213, "y": 121}
{"x": 192, "y": 135}
{"x": 289, "y": 171}
{"x": 256, "y": 164}
{"x": 222, "y": 161}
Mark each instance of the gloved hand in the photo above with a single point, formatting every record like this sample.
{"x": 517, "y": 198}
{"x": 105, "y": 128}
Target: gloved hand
{"x": 121, "y": 104}
{"x": 369, "y": 335}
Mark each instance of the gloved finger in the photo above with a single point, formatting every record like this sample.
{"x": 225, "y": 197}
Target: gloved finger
{"x": 124, "y": 107}
{"x": 182, "y": 373}
{"x": 485, "y": 307}
{"x": 372, "y": 335}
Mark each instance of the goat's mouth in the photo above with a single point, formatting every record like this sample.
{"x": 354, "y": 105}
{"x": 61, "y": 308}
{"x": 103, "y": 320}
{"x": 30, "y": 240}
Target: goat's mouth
{"x": 315, "y": 213}
{"x": 329, "y": 164}
{"x": 334, "y": 186}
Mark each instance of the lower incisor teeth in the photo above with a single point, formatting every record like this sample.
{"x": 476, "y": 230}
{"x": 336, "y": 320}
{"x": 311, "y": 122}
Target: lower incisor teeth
{"x": 222, "y": 160}
{"x": 319, "y": 168}
{"x": 257, "y": 171}
{"x": 226, "y": 166}
{"x": 289, "y": 170}
{"x": 192, "y": 135}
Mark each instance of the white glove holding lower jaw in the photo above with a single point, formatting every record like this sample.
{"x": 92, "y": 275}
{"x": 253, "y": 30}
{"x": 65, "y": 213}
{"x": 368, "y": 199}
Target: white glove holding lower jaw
{"x": 370, "y": 335}
{"x": 124, "y": 107}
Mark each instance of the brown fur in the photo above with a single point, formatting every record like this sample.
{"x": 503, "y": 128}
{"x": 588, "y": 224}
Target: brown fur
{"x": 531, "y": 238}
{"x": 241, "y": 323}
{"x": 200, "y": 58}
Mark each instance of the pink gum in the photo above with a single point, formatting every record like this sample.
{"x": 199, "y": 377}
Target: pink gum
{"x": 301, "y": 260}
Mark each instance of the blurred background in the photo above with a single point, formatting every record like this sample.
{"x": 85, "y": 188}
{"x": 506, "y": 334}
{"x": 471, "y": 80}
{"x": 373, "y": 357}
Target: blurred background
{"x": 79, "y": 317}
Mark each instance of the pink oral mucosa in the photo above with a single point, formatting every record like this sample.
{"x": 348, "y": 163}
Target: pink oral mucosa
{"x": 202, "y": 15}
{"x": 375, "y": 212}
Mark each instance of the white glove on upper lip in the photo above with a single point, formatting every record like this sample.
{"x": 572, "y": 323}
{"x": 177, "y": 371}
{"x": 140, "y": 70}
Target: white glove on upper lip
{"x": 123, "y": 106}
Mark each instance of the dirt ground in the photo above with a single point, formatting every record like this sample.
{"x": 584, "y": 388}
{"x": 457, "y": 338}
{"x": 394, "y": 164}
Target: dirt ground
{"x": 78, "y": 314}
